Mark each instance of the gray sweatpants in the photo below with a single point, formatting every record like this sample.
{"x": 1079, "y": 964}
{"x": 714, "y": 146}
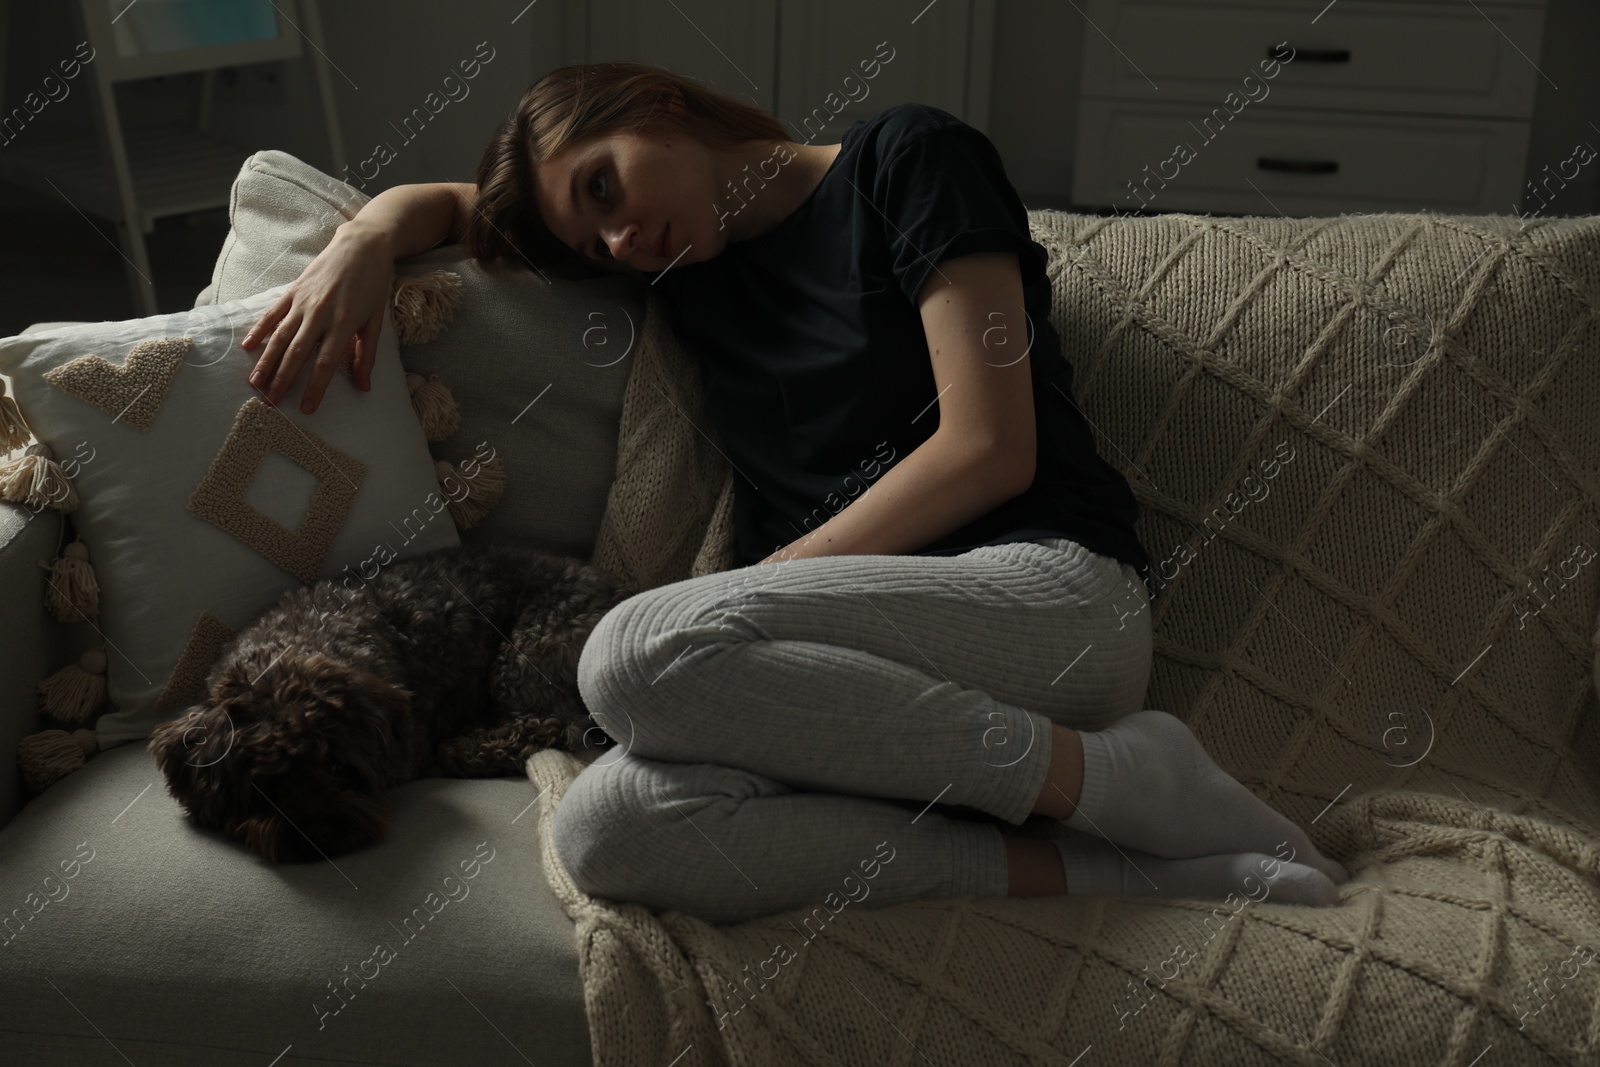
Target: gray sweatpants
{"x": 842, "y": 729}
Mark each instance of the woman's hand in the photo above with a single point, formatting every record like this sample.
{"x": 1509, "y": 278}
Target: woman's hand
{"x": 341, "y": 294}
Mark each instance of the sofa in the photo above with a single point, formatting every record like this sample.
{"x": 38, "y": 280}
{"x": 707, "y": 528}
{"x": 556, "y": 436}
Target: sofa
{"x": 1360, "y": 445}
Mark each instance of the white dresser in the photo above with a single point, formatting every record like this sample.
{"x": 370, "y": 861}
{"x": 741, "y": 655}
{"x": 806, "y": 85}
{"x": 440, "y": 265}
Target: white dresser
{"x": 1263, "y": 106}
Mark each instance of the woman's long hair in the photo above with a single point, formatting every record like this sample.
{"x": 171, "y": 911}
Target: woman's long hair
{"x": 569, "y": 105}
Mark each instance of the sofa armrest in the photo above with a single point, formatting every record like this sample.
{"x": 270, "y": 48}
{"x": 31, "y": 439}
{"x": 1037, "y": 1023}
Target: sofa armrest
{"x": 32, "y": 644}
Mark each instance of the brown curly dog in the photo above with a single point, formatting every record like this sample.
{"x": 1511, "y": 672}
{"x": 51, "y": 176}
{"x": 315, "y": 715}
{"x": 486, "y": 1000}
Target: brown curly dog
{"x": 461, "y": 663}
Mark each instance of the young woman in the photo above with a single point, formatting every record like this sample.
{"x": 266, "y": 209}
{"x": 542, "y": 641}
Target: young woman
{"x": 940, "y": 626}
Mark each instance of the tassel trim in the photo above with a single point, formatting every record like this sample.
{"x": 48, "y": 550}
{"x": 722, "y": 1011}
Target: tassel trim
{"x": 50, "y": 755}
{"x": 471, "y": 489}
{"x": 35, "y": 480}
{"x": 76, "y": 690}
{"x": 14, "y": 433}
{"x": 424, "y": 304}
{"x": 435, "y": 406}
{"x": 72, "y": 591}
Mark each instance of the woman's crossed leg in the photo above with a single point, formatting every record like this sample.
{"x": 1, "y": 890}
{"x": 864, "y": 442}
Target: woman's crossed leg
{"x": 834, "y": 728}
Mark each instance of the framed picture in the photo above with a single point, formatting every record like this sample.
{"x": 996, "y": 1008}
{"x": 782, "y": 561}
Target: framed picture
{"x": 144, "y": 38}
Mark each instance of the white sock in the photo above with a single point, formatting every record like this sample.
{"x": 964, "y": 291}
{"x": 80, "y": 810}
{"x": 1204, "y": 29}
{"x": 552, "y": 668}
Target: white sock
{"x": 1148, "y": 785}
{"x": 1093, "y": 866}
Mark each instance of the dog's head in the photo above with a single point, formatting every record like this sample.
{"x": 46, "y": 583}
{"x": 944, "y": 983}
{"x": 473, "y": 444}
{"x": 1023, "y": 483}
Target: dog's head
{"x": 290, "y": 753}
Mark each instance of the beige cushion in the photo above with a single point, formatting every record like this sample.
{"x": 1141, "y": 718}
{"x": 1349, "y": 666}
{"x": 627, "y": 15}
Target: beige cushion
{"x": 537, "y": 367}
{"x": 198, "y": 502}
{"x": 1355, "y": 442}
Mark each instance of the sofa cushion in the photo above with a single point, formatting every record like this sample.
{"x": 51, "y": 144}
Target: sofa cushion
{"x": 199, "y": 503}
{"x": 537, "y": 365}
{"x": 125, "y": 929}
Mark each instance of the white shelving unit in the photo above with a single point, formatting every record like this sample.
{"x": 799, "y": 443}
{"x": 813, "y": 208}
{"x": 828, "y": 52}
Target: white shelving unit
{"x": 134, "y": 178}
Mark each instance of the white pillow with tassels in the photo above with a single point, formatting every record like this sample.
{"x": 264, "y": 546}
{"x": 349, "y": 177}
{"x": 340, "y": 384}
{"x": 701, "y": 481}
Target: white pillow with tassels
{"x": 539, "y": 364}
{"x": 197, "y": 504}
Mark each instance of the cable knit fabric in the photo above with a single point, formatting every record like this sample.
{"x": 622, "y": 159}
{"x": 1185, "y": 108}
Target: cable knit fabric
{"x": 1365, "y": 450}
{"x": 669, "y": 514}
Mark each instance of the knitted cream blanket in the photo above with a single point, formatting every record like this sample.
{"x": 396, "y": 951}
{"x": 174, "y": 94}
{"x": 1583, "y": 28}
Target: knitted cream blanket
{"x": 669, "y": 514}
{"x": 1365, "y": 452}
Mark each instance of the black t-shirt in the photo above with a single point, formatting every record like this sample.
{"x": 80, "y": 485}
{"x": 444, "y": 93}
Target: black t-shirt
{"x": 815, "y": 362}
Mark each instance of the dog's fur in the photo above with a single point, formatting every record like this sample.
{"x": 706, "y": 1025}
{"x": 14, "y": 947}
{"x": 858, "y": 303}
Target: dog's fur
{"x": 460, "y": 663}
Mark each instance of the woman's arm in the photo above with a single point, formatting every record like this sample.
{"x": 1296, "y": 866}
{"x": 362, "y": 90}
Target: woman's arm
{"x": 343, "y": 292}
{"x": 941, "y": 485}
{"x": 415, "y": 218}
{"x": 983, "y": 452}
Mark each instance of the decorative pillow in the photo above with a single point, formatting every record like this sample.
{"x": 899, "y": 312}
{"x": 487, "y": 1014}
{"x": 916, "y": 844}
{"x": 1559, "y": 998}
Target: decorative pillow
{"x": 537, "y": 366}
{"x": 538, "y": 369}
{"x": 199, "y": 503}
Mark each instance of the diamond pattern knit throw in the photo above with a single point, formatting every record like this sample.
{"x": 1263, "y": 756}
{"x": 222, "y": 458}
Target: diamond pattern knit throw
{"x": 1366, "y": 453}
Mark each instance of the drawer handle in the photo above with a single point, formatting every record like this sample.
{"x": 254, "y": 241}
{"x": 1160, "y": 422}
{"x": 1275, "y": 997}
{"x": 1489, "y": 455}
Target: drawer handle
{"x": 1315, "y": 55}
{"x": 1298, "y": 166}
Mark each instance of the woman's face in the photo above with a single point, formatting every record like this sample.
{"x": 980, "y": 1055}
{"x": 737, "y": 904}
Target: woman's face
{"x": 613, "y": 198}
